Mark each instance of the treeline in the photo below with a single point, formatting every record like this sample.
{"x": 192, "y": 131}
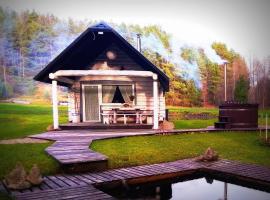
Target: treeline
{"x": 259, "y": 91}
{"x": 212, "y": 74}
{"x": 29, "y": 41}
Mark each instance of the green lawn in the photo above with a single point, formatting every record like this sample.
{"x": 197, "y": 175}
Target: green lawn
{"x": 193, "y": 123}
{"x": 22, "y": 120}
{"x": 211, "y": 110}
{"x": 130, "y": 151}
{"x": 27, "y": 154}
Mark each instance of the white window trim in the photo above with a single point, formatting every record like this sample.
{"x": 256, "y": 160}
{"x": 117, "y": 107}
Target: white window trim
{"x": 112, "y": 104}
{"x": 99, "y": 101}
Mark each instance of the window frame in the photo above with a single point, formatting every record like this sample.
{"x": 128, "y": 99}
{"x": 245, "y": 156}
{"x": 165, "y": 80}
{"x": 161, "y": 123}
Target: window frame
{"x": 133, "y": 93}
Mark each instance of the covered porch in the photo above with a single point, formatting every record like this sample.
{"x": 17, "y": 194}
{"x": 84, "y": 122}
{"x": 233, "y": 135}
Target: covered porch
{"x": 92, "y": 105}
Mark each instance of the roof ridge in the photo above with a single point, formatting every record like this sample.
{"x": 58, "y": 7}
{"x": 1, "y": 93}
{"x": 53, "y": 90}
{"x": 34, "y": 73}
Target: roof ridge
{"x": 101, "y": 25}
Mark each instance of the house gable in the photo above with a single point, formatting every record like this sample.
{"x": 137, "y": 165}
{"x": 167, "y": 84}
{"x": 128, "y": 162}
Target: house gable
{"x": 114, "y": 58}
{"x": 89, "y": 46}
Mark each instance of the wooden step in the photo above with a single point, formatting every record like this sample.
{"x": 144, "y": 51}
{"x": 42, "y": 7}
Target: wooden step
{"x": 223, "y": 125}
{"x": 224, "y": 118}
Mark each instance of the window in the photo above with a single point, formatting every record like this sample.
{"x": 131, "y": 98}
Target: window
{"x": 117, "y": 94}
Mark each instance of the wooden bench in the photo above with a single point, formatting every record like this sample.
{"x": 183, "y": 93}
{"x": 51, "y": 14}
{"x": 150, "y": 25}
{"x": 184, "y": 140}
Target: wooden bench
{"x": 107, "y": 118}
{"x": 110, "y": 115}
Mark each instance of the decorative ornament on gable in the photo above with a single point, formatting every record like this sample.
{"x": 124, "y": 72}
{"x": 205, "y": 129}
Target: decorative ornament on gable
{"x": 111, "y": 55}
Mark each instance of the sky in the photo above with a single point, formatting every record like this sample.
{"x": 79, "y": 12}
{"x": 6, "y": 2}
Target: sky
{"x": 243, "y": 25}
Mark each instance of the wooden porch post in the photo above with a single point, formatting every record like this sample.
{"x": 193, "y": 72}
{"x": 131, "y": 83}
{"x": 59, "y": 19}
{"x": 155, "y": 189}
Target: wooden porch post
{"x": 155, "y": 100}
{"x": 55, "y": 105}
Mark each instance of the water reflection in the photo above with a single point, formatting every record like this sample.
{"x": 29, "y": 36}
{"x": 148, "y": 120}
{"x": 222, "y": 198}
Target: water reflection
{"x": 201, "y": 189}
{"x": 196, "y": 189}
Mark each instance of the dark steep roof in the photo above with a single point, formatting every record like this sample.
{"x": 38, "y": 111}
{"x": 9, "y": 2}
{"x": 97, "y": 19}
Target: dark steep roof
{"x": 83, "y": 50}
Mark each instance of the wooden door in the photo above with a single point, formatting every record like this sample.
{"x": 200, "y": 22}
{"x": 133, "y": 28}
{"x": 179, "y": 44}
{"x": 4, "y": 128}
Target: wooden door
{"x": 91, "y": 103}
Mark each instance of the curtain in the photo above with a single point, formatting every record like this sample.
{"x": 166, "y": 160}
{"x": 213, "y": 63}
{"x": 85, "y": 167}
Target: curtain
{"x": 108, "y": 93}
{"x": 126, "y": 91}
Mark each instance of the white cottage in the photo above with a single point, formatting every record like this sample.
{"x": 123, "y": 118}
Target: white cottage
{"x": 108, "y": 80}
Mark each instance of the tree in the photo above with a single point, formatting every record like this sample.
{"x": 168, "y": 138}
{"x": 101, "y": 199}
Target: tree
{"x": 209, "y": 73}
{"x": 26, "y": 28}
{"x": 182, "y": 92}
{"x": 260, "y": 70}
{"x": 241, "y": 90}
{"x": 236, "y": 67}
{"x": 161, "y": 34}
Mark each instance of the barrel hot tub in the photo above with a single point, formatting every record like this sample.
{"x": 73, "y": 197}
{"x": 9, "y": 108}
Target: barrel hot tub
{"x": 237, "y": 115}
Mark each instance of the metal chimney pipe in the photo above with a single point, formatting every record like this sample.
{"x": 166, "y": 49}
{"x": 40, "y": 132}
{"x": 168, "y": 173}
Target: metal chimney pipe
{"x": 139, "y": 48}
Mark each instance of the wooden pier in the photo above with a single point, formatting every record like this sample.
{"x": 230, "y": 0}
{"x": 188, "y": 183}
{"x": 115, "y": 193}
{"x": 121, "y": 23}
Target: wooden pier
{"x": 80, "y": 186}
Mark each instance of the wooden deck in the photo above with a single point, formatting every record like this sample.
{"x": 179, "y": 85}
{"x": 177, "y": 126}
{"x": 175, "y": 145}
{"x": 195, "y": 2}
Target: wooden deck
{"x": 71, "y": 148}
{"x": 98, "y": 125}
{"x": 80, "y": 192}
{"x": 80, "y": 186}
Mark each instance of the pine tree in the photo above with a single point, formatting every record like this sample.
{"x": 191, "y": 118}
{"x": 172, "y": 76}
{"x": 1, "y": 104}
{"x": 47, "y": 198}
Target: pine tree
{"x": 241, "y": 90}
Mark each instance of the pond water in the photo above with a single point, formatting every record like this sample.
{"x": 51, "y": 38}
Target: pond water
{"x": 196, "y": 189}
{"x": 201, "y": 189}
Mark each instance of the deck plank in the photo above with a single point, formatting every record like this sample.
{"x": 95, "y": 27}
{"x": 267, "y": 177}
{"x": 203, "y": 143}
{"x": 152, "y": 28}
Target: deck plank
{"x": 76, "y": 180}
{"x": 86, "y": 192}
{"x": 74, "y": 186}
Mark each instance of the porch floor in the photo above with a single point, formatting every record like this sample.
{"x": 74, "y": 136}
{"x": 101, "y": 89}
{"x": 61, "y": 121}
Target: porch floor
{"x": 99, "y": 125}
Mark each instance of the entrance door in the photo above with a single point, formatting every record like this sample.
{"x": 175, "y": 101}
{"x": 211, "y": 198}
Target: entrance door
{"x": 91, "y": 102}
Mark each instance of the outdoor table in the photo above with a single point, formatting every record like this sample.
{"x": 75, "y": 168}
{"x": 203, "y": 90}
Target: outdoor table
{"x": 137, "y": 111}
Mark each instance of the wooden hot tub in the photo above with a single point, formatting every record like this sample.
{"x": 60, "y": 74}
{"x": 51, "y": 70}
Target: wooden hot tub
{"x": 237, "y": 115}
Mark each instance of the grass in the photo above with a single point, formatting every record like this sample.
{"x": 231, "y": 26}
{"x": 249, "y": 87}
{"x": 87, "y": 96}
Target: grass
{"x": 187, "y": 124}
{"x": 211, "y": 110}
{"x": 130, "y": 151}
{"x": 190, "y": 123}
{"x": 21, "y": 120}
{"x": 264, "y": 112}
{"x": 27, "y": 154}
